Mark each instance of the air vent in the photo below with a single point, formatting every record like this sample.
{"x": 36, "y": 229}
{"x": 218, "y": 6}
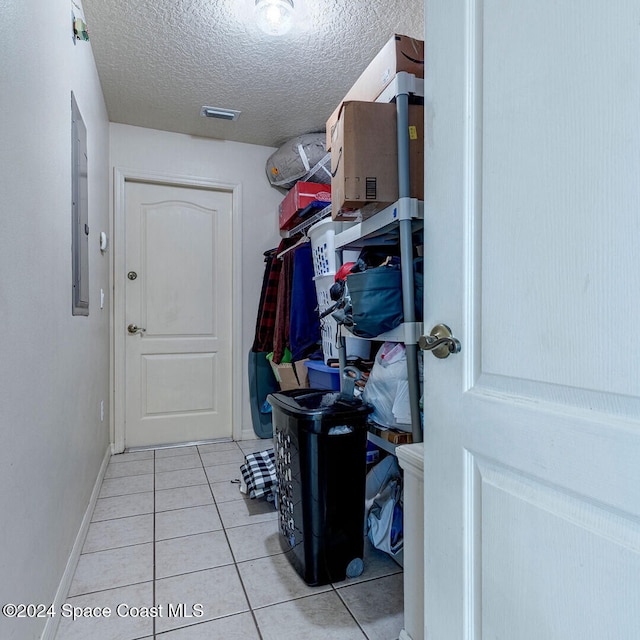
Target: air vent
{"x": 221, "y": 114}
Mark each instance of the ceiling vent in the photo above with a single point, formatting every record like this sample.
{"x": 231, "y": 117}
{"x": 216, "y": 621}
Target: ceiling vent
{"x": 218, "y": 112}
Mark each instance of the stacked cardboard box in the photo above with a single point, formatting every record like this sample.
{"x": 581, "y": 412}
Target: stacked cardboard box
{"x": 364, "y": 158}
{"x": 400, "y": 53}
{"x": 362, "y": 136}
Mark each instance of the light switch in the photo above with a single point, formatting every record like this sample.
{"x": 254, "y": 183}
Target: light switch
{"x": 102, "y": 298}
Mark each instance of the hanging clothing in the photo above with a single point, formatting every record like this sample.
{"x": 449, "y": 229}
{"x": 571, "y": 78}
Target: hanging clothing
{"x": 283, "y": 308}
{"x": 304, "y": 322}
{"x": 266, "y": 319}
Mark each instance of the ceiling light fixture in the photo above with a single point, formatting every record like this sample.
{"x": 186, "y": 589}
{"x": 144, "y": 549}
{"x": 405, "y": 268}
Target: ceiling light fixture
{"x": 218, "y": 112}
{"x": 274, "y": 17}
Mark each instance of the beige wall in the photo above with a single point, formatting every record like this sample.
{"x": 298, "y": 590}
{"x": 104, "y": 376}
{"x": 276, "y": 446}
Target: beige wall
{"x": 171, "y": 154}
{"x": 54, "y": 368}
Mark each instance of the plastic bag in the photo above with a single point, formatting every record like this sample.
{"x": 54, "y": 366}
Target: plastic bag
{"x": 388, "y": 376}
{"x": 302, "y": 158}
{"x": 385, "y": 519}
{"x": 383, "y": 503}
{"x": 401, "y": 406}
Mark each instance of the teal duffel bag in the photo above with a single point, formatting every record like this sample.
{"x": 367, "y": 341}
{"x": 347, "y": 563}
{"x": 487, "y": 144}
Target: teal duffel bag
{"x": 418, "y": 280}
{"x": 262, "y": 382}
{"x": 376, "y": 300}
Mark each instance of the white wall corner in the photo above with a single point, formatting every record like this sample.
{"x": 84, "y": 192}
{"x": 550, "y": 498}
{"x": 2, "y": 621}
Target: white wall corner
{"x": 248, "y": 433}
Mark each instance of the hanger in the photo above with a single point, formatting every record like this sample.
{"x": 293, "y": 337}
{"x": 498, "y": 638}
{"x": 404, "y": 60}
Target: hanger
{"x": 269, "y": 254}
{"x": 302, "y": 240}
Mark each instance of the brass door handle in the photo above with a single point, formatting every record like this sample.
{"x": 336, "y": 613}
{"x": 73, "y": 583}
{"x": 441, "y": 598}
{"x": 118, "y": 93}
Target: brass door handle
{"x": 134, "y": 328}
{"x": 440, "y": 342}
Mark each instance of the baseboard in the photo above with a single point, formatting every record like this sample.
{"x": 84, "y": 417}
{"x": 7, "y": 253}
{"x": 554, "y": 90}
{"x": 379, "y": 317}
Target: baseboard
{"x": 404, "y": 636}
{"x": 51, "y": 628}
{"x": 248, "y": 433}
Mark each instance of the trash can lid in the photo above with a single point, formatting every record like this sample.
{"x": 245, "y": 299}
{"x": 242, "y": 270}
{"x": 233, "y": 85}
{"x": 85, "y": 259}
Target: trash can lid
{"x": 313, "y": 403}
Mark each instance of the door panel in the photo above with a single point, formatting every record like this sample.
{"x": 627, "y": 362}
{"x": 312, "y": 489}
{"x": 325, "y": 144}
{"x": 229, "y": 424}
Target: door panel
{"x": 179, "y": 382}
{"x": 180, "y": 288}
{"x": 555, "y": 186}
{"x": 532, "y": 432}
{"x": 178, "y": 370}
{"x": 549, "y": 557}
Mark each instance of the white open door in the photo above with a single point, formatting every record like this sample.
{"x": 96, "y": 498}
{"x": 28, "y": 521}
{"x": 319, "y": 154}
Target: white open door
{"x": 532, "y": 236}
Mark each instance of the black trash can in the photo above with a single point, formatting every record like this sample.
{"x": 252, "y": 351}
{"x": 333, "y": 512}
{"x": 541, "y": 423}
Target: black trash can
{"x": 320, "y": 445}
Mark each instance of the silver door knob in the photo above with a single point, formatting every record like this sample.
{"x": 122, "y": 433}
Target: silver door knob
{"x": 440, "y": 342}
{"x": 134, "y": 328}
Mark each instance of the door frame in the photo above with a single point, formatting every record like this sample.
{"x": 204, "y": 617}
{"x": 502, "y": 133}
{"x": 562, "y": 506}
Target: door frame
{"x": 117, "y": 321}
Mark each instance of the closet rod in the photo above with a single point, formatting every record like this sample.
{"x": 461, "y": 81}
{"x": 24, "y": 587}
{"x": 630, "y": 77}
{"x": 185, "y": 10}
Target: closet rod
{"x": 302, "y": 240}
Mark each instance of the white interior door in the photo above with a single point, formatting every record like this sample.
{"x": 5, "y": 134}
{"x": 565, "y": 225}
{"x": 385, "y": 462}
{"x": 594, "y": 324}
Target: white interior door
{"x": 178, "y": 293}
{"x": 532, "y": 225}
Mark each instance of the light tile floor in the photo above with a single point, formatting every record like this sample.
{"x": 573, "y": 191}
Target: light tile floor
{"x": 171, "y": 528}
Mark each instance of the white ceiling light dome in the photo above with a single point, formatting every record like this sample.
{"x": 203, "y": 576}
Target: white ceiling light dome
{"x": 274, "y": 17}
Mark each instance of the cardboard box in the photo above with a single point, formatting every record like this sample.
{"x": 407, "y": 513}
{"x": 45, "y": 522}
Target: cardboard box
{"x": 299, "y": 198}
{"x": 364, "y": 158}
{"x": 291, "y": 375}
{"x": 400, "y": 53}
{"x": 399, "y": 437}
{"x": 394, "y": 436}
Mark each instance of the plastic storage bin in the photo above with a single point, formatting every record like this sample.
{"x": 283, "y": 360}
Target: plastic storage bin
{"x": 323, "y": 377}
{"x": 320, "y": 448}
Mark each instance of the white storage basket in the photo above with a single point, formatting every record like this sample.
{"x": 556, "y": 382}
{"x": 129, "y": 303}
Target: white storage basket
{"x": 323, "y": 284}
{"x": 323, "y": 249}
{"x": 328, "y": 326}
{"x": 356, "y": 347}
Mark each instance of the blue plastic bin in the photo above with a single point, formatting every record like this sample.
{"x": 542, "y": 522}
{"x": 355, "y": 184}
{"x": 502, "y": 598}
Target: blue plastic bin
{"x": 323, "y": 377}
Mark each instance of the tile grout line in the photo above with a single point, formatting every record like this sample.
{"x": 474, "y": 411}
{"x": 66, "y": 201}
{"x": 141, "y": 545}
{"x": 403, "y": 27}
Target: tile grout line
{"x": 120, "y": 586}
{"x": 346, "y": 606}
{"x": 233, "y": 556}
{"x": 153, "y": 627}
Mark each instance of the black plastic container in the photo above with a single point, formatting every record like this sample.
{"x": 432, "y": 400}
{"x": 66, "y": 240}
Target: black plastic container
{"x": 321, "y": 454}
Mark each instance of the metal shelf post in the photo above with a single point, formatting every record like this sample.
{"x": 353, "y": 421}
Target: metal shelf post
{"x": 406, "y": 262}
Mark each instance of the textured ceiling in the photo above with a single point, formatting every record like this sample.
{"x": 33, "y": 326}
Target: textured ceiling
{"x": 160, "y": 61}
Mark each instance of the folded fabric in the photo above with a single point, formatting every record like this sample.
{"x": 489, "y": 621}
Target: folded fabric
{"x": 259, "y": 473}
